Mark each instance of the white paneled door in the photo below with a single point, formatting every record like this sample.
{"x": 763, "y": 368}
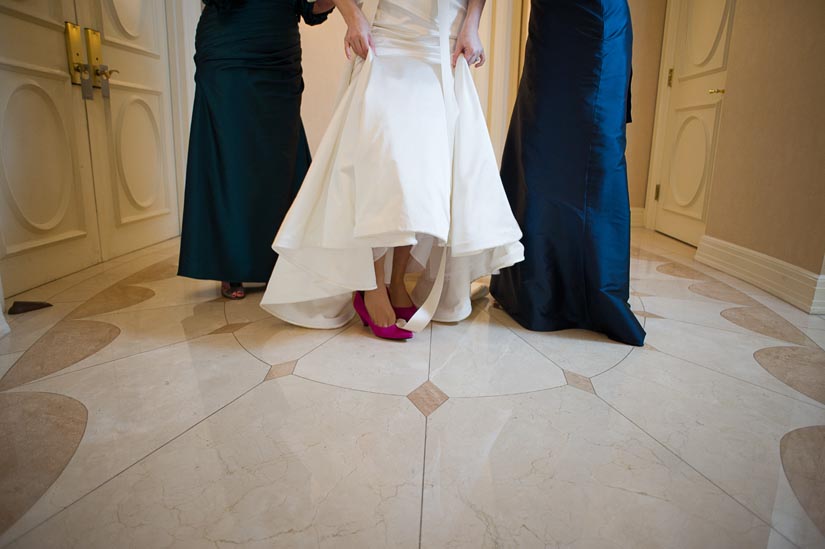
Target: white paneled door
{"x": 82, "y": 180}
{"x": 131, "y": 132}
{"x": 48, "y": 220}
{"x": 701, "y": 32}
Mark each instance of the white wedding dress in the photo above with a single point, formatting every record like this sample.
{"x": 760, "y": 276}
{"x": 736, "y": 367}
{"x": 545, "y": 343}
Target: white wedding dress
{"x": 406, "y": 160}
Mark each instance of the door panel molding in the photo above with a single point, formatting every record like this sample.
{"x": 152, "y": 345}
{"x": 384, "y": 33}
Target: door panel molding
{"x": 136, "y": 36}
{"x": 36, "y": 114}
{"x": 715, "y": 59}
{"x": 706, "y": 115}
{"x": 32, "y": 11}
{"x": 32, "y": 69}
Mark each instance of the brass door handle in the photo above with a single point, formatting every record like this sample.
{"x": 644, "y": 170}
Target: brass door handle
{"x": 715, "y": 91}
{"x": 106, "y": 73}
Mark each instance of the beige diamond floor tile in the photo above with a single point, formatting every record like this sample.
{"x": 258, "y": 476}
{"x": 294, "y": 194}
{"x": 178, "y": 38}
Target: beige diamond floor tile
{"x": 357, "y": 360}
{"x": 428, "y": 398}
{"x": 274, "y": 341}
{"x": 247, "y": 309}
{"x": 580, "y": 351}
{"x": 482, "y": 357}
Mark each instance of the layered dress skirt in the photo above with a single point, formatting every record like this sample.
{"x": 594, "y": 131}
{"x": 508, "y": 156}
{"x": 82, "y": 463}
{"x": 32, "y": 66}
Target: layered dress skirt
{"x": 247, "y": 149}
{"x": 406, "y": 160}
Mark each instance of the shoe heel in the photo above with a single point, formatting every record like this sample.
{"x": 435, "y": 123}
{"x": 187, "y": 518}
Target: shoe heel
{"x": 390, "y": 332}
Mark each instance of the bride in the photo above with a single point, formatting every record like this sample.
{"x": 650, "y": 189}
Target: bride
{"x": 405, "y": 180}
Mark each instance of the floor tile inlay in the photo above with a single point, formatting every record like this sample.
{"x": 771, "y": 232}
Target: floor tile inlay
{"x": 39, "y": 433}
{"x": 803, "y": 457}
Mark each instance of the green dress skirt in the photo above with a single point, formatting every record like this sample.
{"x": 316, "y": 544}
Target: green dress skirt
{"x": 248, "y": 152}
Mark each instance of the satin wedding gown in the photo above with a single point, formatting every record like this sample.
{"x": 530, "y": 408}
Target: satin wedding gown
{"x": 406, "y": 160}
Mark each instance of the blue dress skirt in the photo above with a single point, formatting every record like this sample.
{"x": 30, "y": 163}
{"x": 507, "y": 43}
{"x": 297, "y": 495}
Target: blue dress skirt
{"x": 565, "y": 174}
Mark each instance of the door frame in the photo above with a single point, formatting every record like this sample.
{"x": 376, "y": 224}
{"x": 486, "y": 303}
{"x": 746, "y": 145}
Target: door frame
{"x": 181, "y": 23}
{"x": 661, "y": 116}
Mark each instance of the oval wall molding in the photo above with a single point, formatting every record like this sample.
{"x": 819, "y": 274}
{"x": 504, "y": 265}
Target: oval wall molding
{"x": 31, "y": 123}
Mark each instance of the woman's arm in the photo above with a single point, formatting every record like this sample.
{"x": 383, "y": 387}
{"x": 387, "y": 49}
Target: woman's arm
{"x": 358, "y": 37}
{"x": 468, "y": 43}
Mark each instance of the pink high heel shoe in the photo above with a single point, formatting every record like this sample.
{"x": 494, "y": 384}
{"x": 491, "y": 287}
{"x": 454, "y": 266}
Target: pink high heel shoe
{"x": 405, "y": 313}
{"x": 389, "y": 332}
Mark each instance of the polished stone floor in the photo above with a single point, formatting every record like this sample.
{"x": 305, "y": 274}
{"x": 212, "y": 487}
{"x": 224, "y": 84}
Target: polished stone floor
{"x": 142, "y": 410}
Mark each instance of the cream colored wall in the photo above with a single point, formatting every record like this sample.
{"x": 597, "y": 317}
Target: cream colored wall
{"x": 768, "y": 187}
{"x": 648, "y": 27}
{"x": 323, "y": 62}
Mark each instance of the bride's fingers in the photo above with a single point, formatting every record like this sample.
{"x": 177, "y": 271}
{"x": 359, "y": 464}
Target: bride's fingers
{"x": 482, "y": 58}
{"x": 347, "y": 50}
{"x": 357, "y": 47}
{"x": 458, "y": 51}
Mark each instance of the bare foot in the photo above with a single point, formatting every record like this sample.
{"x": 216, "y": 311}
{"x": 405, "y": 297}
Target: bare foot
{"x": 399, "y": 297}
{"x": 379, "y": 307}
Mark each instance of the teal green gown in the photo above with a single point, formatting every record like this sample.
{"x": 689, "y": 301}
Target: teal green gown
{"x": 248, "y": 152}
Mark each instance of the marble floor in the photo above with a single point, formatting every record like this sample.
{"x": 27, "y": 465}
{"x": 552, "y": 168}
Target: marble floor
{"x": 143, "y": 410}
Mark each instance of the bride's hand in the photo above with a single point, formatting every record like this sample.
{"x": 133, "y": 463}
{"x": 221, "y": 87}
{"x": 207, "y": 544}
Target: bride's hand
{"x": 469, "y": 45}
{"x": 358, "y": 38}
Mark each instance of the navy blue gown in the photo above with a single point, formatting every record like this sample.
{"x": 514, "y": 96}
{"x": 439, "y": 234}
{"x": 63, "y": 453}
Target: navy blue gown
{"x": 565, "y": 174}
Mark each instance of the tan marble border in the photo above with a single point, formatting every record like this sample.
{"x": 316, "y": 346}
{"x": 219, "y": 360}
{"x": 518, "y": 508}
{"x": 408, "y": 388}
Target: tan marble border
{"x": 68, "y": 342}
{"x": 803, "y": 458}
{"x": 802, "y": 368}
{"x": 764, "y": 321}
{"x": 39, "y": 434}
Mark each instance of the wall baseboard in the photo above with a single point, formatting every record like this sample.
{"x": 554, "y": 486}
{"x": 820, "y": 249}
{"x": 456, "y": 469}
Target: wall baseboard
{"x": 799, "y": 287}
{"x": 637, "y": 217}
